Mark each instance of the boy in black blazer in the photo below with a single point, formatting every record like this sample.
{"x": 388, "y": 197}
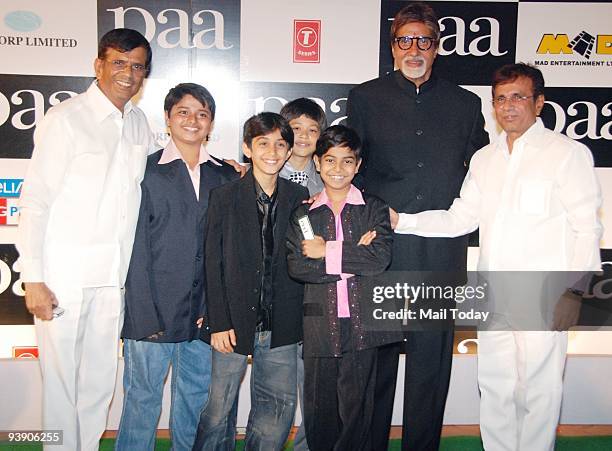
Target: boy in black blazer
{"x": 352, "y": 240}
{"x": 254, "y": 308}
{"x": 164, "y": 298}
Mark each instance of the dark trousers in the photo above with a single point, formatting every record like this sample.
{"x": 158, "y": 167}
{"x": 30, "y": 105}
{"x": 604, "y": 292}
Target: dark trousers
{"x": 429, "y": 357}
{"x": 339, "y": 400}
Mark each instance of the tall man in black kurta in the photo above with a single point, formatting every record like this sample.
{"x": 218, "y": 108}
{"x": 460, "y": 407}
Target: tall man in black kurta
{"x": 419, "y": 133}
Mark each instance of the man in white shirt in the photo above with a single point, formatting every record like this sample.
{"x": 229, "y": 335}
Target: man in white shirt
{"x": 79, "y": 209}
{"x": 535, "y": 196}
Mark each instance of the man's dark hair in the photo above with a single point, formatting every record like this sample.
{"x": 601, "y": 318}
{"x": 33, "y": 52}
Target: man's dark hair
{"x": 339, "y": 136}
{"x": 199, "y": 92}
{"x": 124, "y": 40}
{"x": 416, "y": 12}
{"x": 304, "y": 107}
{"x": 265, "y": 123}
{"x": 510, "y": 72}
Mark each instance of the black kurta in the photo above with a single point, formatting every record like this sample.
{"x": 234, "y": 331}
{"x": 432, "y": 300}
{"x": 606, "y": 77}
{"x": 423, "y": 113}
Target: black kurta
{"x": 416, "y": 147}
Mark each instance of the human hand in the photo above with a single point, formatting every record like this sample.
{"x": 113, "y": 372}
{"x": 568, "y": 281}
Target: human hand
{"x": 223, "y": 341}
{"x": 312, "y": 199}
{"x": 567, "y": 311}
{"x": 199, "y": 322}
{"x": 40, "y": 300}
{"x": 314, "y": 248}
{"x": 394, "y": 218}
{"x": 237, "y": 167}
{"x": 367, "y": 238}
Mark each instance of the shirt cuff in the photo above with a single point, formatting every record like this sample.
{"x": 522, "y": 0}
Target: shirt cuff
{"x": 31, "y": 270}
{"x": 333, "y": 257}
{"x": 406, "y": 223}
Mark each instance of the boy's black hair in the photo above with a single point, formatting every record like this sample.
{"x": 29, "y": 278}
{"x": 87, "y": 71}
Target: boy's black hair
{"x": 339, "y": 136}
{"x": 305, "y": 107}
{"x": 124, "y": 40}
{"x": 199, "y": 92}
{"x": 264, "y": 123}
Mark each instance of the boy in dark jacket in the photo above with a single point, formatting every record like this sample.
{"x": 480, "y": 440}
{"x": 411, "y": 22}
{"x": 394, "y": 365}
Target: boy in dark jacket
{"x": 254, "y": 307}
{"x": 353, "y": 240}
{"x": 164, "y": 298}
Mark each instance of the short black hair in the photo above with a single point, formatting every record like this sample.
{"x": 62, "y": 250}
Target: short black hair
{"x": 339, "y": 136}
{"x": 199, "y": 92}
{"x": 510, "y": 72}
{"x": 124, "y": 40}
{"x": 265, "y": 123}
{"x": 304, "y": 107}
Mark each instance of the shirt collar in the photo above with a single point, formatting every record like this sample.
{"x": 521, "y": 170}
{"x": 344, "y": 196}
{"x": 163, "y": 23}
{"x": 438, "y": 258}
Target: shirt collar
{"x": 354, "y": 197}
{"x": 530, "y": 135}
{"x": 102, "y": 107}
{"x": 410, "y": 87}
{"x": 310, "y": 169}
{"x": 171, "y": 153}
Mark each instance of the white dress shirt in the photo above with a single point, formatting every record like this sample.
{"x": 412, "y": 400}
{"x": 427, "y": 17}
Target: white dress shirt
{"x": 536, "y": 207}
{"x": 81, "y": 195}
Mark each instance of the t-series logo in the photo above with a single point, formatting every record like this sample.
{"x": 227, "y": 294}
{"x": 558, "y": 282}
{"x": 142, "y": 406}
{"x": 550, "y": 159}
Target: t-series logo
{"x": 584, "y": 43}
{"x": 306, "y": 41}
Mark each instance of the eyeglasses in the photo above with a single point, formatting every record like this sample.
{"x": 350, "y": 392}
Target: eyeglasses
{"x": 513, "y": 99}
{"x": 405, "y": 42}
{"x": 120, "y": 65}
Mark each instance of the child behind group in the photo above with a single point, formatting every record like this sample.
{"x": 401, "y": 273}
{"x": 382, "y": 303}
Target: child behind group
{"x": 353, "y": 240}
{"x": 307, "y": 120}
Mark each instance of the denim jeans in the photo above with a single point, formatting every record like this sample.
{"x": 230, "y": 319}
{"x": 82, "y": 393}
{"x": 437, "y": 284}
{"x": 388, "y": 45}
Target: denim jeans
{"x": 273, "y": 398}
{"x": 145, "y": 370}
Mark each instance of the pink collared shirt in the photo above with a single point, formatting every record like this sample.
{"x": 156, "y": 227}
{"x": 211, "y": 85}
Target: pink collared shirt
{"x": 333, "y": 249}
{"x": 172, "y": 153}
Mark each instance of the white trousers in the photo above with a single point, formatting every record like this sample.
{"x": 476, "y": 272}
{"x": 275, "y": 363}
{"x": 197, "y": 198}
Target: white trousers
{"x": 78, "y": 358}
{"x": 520, "y": 375}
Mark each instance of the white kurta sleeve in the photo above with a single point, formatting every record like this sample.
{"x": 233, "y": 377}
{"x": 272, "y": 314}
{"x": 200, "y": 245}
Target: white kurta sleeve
{"x": 42, "y": 183}
{"x": 580, "y": 195}
{"x": 461, "y": 218}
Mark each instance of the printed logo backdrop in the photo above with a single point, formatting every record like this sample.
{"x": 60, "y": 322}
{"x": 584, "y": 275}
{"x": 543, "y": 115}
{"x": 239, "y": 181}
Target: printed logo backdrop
{"x": 244, "y": 52}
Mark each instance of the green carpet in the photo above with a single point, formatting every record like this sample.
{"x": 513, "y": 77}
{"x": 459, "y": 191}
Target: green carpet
{"x": 603, "y": 443}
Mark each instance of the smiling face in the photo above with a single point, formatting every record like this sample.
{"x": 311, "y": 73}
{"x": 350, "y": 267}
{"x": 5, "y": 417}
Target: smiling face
{"x": 306, "y": 131}
{"x": 516, "y": 117}
{"x": 189, "y": 121}
{"x": 338, "y": 166}
{"x": 415, "y": 64}
{"x": 116, "y": 74}
{"x": 268, "y": 153}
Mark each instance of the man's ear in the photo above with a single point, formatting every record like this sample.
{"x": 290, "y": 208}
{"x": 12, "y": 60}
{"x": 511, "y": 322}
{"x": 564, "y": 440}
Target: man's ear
{"x": 539, "y": 103}
{"x": 98, "y": 66}
{"x": 317, "y": 162}
{"x": 359, "y": 160}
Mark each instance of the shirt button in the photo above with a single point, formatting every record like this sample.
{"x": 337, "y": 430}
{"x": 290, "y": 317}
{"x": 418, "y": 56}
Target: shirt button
{"x": 420, "y": 164}
{"x": 198, "y": 258}
{"x": 418, "y": 100}
{"x": 419, "y": 132}
{"x": 255, "y": 290}
{"x": 253, "y": 309}
{"x": 195, "y": 283}
{"x": 419, "y": 197}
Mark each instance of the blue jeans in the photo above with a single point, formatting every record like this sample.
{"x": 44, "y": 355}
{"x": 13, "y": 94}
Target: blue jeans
{"x": 273, "y": 398}
{"x": 145, "y": 370}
